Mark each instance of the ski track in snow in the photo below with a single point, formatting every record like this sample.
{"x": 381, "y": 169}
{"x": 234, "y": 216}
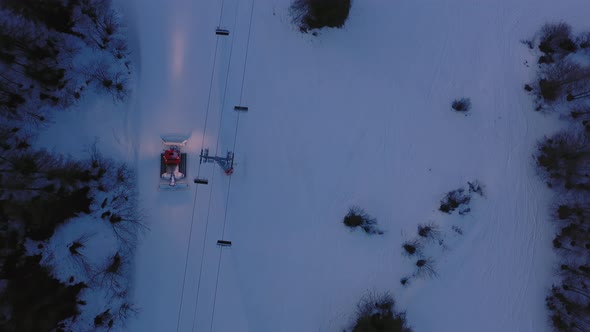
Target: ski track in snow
{"x": 358, "y": 116}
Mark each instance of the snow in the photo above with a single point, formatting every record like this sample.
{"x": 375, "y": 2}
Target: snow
{"x": 354, "y": 117}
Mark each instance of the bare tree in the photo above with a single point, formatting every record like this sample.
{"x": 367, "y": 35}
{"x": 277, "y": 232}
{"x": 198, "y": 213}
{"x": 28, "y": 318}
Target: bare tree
{"x": 75, "y": 248}
{"x": 107, "y": 78}
{"x": 114, "y": 275}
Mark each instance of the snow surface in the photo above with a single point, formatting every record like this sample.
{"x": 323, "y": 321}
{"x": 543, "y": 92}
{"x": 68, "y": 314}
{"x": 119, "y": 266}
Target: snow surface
{"x": 357, "y": 116}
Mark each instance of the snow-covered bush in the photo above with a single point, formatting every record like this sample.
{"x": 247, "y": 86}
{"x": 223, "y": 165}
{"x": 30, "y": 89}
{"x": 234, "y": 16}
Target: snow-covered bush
{"x": 104, "y": 319}
{"x": 357, "y": 217}
{"x": 568, "y": 298}
{"x": 425, "y": 268}
{"x": 563, "y": 159}
{"x": 461, "y": 105}
{"x": 562, "y": 77}
{"x": 430, "y": 231}
{"x": 559, "y": 73}
{"x": 377, "y": 313}
{"x": 556, "y": 38}
{"x": 455, "y": 199}
{"x": 316, "y": 14}
{"x": 412, "y": 248}
{"x": 405, "y": 281}
{"x": 563, "y": 162}
{"x": 460, "y": 198}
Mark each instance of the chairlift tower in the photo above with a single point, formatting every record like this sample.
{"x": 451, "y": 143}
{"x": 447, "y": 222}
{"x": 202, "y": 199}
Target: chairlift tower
{"x": 226, "y": 163}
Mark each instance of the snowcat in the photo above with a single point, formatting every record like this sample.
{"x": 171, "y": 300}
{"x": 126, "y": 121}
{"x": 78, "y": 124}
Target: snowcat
{"x": 173, "y": 165}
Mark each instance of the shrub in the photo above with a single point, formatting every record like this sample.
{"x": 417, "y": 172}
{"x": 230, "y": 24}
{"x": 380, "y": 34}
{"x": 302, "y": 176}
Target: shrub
{"x": 412, "y": 247}
{"x": 377, "y": 313}
{"x": 357, "y": 217}
{"x": 563, "y": 159}
{"x": 429, "y": 231}
{"x": 461, "y": 105}
{"x": 550, "y": 90}
{"x": 545, "y": 59}
{"x": 425, "y": 268}
{"x": 104, "y": 318}
{"x": 316, "y": 14}
{"x": 456, "y": 199}
{"x": 405, "y": 281}
{"x": 556, "y": 37}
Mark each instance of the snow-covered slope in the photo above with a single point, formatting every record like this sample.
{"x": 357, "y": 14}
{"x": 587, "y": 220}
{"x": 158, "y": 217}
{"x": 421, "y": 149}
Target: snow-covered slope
{"x": 358, "y": 116}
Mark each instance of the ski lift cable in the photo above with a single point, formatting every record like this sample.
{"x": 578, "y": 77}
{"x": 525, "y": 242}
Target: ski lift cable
{"x": 247, "y": 48}
{"x": 202, "y": 257}
{"x": 231, "y": 49}
{"x": 221, "y": 12}
{"x": 230, "y": 179}
{"x": 211, "y": 191}
{"x": 215, "y": 294}
{"x": 196, "y": 188}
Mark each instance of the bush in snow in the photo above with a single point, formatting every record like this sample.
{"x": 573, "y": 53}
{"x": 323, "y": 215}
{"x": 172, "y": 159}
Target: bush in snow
{"x": 412, "y": 248}
{"x": 455, "y": 199}
{"x": 568, "y": 299}
{"x": 460, "y": 198}
{"x": 430, "y": 231}
{"x": 425, "y": 268}
{"x": 556, "y": 38}
{"x": 559, "y": 74}
{"x": 562, "y": 77}
{"x": 377, "y": 313}
{"x": 75, "y": 248}
{"x": 461, "y": 105}
{"x": 112, "y": 275}
{"x": 357, "y": 217}
{"x": 568, "y": 303}
{"x": 316, "y": 14}
{"x": 103, "y": 319}
{"x": 563, "y": 159}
